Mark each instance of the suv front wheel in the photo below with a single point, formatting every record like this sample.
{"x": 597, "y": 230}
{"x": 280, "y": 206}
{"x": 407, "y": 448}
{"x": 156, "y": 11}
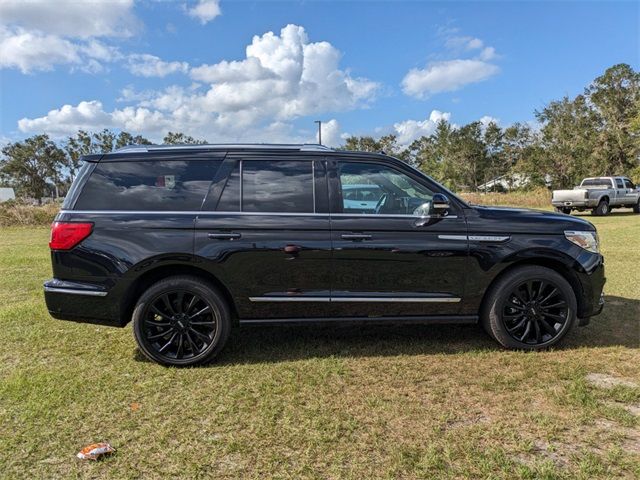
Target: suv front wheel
{"x": 181, "y": 321}
{"x": 530, "y": 308}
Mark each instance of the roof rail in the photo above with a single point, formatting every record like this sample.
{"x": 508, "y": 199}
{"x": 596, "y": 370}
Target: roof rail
{"x": 305, "y": 147}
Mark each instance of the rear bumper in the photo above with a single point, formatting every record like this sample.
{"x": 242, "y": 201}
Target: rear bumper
{"x": 586, "y": 203}
{"x": 81, "y": 302}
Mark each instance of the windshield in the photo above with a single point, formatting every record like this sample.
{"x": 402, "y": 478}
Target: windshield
{"x": 596, "y": 182}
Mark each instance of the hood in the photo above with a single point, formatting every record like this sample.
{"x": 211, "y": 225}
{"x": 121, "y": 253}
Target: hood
{"x": 524, "y": 220}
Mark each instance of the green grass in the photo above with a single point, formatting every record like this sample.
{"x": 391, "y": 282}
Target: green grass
{"x": 330, "y": 402}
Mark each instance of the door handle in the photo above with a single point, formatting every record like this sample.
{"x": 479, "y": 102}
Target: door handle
{"x": 223, "y": 236}
{"x": 355, "y": 236}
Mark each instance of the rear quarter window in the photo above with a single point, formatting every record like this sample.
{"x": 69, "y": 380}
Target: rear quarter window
{"x": 173, "y": 185}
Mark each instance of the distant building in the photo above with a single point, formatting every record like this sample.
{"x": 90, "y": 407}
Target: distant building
{"x": 504, "y": 183}
{"x": 7, "y": 194}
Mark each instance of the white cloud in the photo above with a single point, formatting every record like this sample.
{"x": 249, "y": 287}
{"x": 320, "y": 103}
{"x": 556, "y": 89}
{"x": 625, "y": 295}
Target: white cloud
{"x": 446, "y": 76}
{"x": 487, "y": 119}
{"x": 409, "y": 130}
{"x": 463, "y": 43}
{"x": 37, "y": 35}
{"x": 71, "y": 18}
{"x": 145, "y": 65}
{"x": 283, "y": 77}
{"x": 205, "y": 10}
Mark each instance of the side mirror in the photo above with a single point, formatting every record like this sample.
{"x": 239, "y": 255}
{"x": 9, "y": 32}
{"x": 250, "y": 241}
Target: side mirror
{"x": 440, "y": 204}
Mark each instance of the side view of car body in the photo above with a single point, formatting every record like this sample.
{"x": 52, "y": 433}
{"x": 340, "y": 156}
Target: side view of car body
{"x": 598, "y": 194}
{"x": 189, "y": 241}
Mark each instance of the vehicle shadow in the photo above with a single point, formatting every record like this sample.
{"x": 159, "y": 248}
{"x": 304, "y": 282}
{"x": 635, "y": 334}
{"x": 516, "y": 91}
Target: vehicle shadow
{"x": 618, "y": 325}
{"x": 625, "y": 212}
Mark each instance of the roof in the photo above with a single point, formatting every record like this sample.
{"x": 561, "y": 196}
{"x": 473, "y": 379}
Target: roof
{"x": 139, "y": 152}
{"x": 303, "y": 147}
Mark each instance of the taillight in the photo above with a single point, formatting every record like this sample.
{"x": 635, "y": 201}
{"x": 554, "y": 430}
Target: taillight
{"x": 66, "y": 235}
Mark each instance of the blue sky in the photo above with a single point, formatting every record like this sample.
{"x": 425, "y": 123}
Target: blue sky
{"x": 213, "y": 70}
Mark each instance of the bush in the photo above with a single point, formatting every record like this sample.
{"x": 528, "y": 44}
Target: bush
{"x": 14, "y": 213}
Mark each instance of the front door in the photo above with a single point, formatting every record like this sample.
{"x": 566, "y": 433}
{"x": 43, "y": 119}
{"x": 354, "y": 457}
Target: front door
{"x": 391, "y": 255}
{"x": 264, "y": 232}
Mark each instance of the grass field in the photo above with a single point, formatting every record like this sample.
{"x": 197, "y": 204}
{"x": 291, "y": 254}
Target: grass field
{"x": 346, "y": 402}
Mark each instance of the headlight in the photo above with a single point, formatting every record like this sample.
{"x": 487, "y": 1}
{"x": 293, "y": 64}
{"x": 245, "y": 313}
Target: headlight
{"x": 587, "y": 240}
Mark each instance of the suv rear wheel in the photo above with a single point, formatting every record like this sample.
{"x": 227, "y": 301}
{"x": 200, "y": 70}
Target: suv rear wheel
{"x": 529, "y": 308}
{"x": 181, "y": 321}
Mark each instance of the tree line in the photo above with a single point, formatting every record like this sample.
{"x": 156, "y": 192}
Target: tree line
{"x": 595, "y": 133}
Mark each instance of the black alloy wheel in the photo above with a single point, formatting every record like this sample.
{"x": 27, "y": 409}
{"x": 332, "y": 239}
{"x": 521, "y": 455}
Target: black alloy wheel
{"x": 181, "y": 321}
{"x": 529, "y": 308}
{"x": 535, "y": 312}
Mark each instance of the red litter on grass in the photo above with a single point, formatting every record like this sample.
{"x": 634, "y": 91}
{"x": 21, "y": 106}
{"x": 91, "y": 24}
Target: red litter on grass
{"x": 95, "y": 451}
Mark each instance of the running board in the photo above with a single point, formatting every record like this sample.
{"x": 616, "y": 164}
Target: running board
{"x": 429, "y": 320}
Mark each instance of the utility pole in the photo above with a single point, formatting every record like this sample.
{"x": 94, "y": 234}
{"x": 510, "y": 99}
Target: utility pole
{"x": 319, "y": 122}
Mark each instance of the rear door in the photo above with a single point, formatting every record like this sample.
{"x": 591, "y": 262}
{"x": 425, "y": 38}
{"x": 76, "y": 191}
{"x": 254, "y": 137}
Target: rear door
{"x": 621, "y": 192}
{"x": 394, "y": 258}
{"x": 264, "y": 232}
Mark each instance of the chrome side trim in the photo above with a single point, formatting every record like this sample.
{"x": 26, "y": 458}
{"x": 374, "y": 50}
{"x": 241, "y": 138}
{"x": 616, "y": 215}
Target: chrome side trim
{"x": 359, "y": 299}
{"x": 476, "y": 238}
{"x": 290, "y": 299}
{"x": 91, "y": 293}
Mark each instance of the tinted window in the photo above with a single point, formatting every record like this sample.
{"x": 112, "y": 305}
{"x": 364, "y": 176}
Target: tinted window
{"x": 628, "y": 183}
{"x": 230, "y": 198}
{"x": 153, "y": 185}
{"x": 619, "y": 183}
{"x": 277, "y": 186}
{"x": 369, "y": 188}
{"x": 597, "y": 182}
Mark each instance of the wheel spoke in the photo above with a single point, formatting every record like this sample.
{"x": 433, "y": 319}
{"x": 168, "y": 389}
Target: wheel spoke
{"x": 526, "y": 332}
{"x": 536, "y": 327}
{"x": 560, "y": 304}
{"x": 180, "y": 342}
{"x": 518, "y": 326}
{"x": 179, "y": 302}
{"x": 511, "y": 304}
{"x": 549, "y": 296}
{"x": 168, "y": 344}
{"x": 200, "y": 312}
{"x": 202, "y": 324}
{"x": 192, "y": 303}
{"x": 167, "y": 304}
{"x": 192, "y": 344}
{"x": 156, "y": 324}
{"x": 550, "y": 330}
{"x": 161, "y": 334}
{"x": 202, "y": 336}
{"x": 560, "y": 318}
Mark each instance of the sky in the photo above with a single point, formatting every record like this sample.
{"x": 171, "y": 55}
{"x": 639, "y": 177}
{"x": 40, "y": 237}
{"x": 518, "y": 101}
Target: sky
{"x": 262, "y": 71}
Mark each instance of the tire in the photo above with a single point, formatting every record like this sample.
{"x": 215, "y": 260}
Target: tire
{"x": 190, "y": 312}
{"x": 522, "y": 312}
{"x": 602, "y": 209}
{"x": 566, "y": 210}
{"x": 636, "y": 207}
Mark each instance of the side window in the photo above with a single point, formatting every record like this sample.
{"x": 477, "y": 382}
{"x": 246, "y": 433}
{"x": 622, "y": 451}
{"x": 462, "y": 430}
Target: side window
{"x": 178, "y": 185}
{"x": 619, "y": 183}
{"x": 369, "y": 188}
{"x": 277, "y": 186}
{"x": 628, "y": 183}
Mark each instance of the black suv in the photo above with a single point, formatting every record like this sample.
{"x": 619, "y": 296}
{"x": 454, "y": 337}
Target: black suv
{"x": 190, "y": 240}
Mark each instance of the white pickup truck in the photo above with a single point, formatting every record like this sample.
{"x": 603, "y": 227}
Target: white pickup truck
{"x": 598, "y": 194}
